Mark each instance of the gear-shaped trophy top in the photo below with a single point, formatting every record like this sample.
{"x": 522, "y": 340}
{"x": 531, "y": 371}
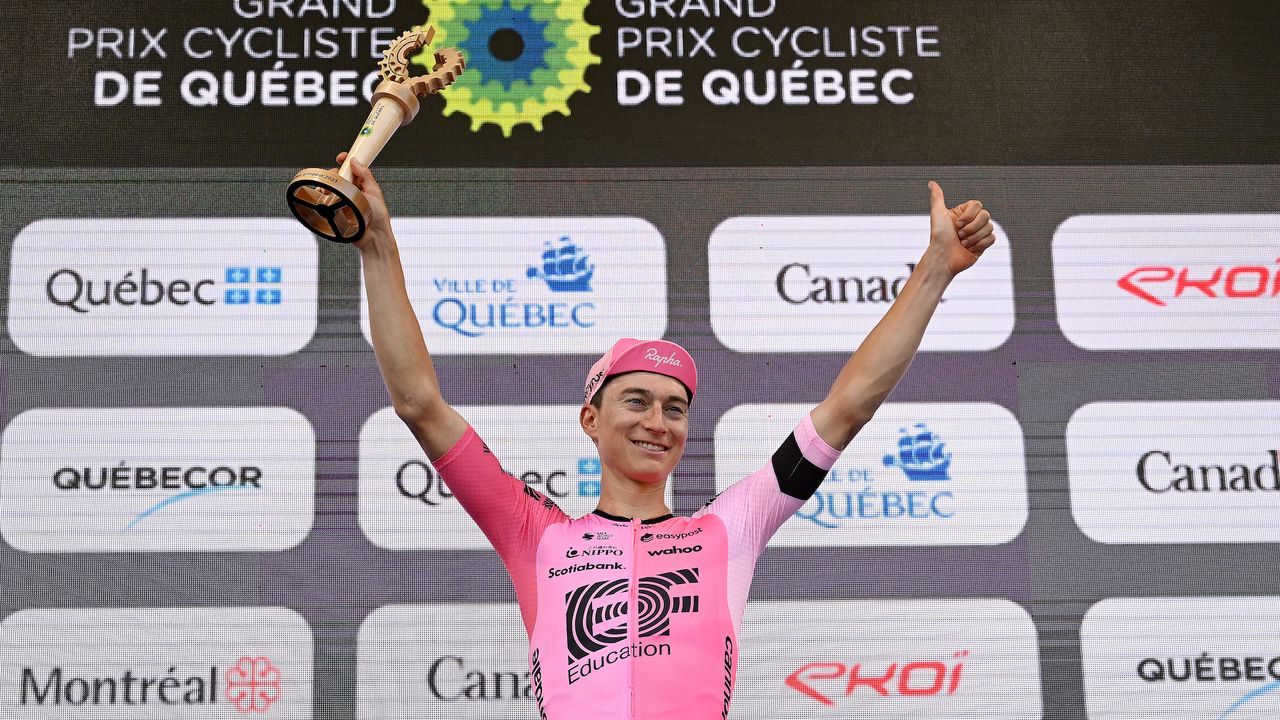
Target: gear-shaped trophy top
{"x": 328, "y": 202}
{"x": 394, "y": 65}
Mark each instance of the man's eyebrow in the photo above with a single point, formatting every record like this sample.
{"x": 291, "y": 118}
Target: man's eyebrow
{"x": 648, "y": 394}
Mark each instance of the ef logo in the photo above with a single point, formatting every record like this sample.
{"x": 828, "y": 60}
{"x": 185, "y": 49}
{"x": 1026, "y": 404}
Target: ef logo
{"x": 253, "y": 684}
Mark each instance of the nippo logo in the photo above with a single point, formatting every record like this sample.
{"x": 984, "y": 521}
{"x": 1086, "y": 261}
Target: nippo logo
{"x": 253, "y": 684}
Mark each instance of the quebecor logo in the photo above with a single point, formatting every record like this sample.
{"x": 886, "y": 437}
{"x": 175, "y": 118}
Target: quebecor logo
{"x": 1203, "y": 657}
{"x": 1169, "y": 282}
{"x": 403, "y": 503}
{"x": 417, "y": 661}
{"x": 214, "y": 662}
{"x": 1176, "y": 472}
{"x": 157, "y": 479}
{"x": 918, "y": 474}
{"x": 173, "y": 286}
{"x": 542, "y": 285}
{"x": 889, "y": 659}
{"x": 820, "y": 284}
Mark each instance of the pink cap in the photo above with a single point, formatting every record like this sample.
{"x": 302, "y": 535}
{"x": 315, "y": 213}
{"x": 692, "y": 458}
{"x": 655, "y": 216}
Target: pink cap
{"x": 631, "y": 355}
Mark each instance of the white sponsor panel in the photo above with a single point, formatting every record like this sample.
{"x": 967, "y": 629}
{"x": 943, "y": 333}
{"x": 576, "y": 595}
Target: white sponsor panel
{"x": 915, "y": 659}
{"x": 1186, "y": 657}
{"x": 156, "y": 664}
{"x": 527, "y": 285}
{"x": 444, "y": 661}
{"x": 917, "y": 474}
{"x": 163, "y": 286}
{"x": 820, "y": 284}
{"x": 1176, "y": 472}
{"x": 157, "y": 479}
{"x": 404, "y": 506}
{"x": 1169, "y": 282}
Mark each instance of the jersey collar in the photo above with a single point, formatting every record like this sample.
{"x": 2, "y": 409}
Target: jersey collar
{"x": 616, "y": 518}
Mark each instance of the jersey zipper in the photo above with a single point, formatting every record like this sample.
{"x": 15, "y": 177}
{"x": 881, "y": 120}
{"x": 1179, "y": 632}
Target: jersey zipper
{"x": 633, "y": 613}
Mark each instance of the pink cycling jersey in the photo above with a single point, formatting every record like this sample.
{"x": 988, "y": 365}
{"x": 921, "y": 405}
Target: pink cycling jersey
{"x": 634, "y": 618}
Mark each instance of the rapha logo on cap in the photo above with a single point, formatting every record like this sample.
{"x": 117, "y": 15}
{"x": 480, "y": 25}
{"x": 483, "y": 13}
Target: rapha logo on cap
{"x": 591, "y": 384}
{"x": 659, "y": 359}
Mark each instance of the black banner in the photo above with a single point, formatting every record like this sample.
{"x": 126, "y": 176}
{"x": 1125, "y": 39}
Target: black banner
{"x": 633, "y": 83}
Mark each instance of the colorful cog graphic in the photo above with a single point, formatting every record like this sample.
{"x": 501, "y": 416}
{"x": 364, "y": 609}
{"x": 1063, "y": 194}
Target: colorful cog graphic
{"x": 525, "y": 58}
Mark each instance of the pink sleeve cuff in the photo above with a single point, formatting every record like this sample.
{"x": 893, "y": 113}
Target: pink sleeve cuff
{"x": 815, "y": 449}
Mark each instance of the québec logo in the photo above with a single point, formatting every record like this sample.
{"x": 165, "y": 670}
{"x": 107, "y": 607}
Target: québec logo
{"x": 244, "y": 285}
{"x": 474, "y": 307}
{"x": 565, "y": 268}
{"x": 920, "y": 454}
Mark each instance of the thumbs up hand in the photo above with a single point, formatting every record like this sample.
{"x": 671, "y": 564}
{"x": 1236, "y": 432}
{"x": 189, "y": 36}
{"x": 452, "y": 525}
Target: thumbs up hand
{"x": 958, "y": 235}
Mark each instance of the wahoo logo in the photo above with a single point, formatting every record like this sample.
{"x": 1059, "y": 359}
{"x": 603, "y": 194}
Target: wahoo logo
{"x": 676, "y": 551}
{"x": 596, "y": 614}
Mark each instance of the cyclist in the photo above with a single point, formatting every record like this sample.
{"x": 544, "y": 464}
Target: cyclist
{"x": 631, "y": 611}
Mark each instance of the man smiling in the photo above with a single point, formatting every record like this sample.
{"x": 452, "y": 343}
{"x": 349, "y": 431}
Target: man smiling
{"x": 631, "y": 611}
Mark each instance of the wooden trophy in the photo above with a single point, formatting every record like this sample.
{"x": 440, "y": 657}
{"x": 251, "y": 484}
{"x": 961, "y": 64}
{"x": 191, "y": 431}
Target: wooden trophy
{"x": 329, "y": 204}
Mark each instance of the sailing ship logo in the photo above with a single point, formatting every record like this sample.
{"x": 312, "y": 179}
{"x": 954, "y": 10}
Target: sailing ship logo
{"x": 565, "y": 268}
{"x": 921, "y": 455}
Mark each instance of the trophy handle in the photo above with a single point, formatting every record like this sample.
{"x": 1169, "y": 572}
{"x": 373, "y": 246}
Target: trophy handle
{"x": 329, "y": 203}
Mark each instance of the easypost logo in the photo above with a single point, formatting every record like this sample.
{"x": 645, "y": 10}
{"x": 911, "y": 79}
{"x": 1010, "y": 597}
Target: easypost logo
{"x": 889, "y": 659}
{"x": 404, "y": 503}
{"x": 417, "y": 661}
{"x": 107, "y": 664}
{"x": 525, "y": 58}
{"x": 1169, "y": 282}
{"x": 1176, "y": 472}
{"x": 920, "y": 474}
{"x": 182, "y": 286}
{"x": 539, "y": 284}
{"x": 820, "y": 284}
{"x": 157, "y": 480}
{"x": 1199, "y": 657}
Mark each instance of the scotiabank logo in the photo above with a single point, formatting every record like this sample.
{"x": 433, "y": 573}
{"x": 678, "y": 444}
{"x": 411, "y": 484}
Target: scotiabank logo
{"x": 135, "y": 480}
{"x": 1169, "y": 282}
{"x": 163, "y": 287}
{"x": 825, "y": 681}
{"x": 816, "y": 284}
{"x": 1175, "y": 472}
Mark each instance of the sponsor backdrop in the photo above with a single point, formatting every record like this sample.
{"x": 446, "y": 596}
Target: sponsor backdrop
{"x": 1068, "y": 509}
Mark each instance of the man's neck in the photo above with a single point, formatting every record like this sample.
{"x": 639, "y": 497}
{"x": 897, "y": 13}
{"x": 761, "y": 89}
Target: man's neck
{"x": 627, "y": 498}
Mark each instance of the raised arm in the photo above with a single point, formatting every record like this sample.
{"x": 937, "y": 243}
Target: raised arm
{"x": 397, "y": 338}
{"x": 957, "y": 237}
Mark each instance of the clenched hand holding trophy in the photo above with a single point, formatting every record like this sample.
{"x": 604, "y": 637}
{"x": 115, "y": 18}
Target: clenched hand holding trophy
{"x": 329, "y": 204}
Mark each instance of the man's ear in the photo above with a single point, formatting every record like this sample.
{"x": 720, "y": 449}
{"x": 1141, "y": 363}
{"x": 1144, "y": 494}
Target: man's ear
{"x": 589, "y": 419}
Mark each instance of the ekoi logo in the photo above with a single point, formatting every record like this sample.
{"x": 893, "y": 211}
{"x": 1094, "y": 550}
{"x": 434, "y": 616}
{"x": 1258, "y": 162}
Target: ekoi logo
{"x": 1153, "y": 283}
{"x": 597, "y": 617}
{"x": 917, "y": 678}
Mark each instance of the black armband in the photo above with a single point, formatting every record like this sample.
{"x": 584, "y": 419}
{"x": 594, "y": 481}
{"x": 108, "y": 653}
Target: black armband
{"x": 797, "y": 477}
